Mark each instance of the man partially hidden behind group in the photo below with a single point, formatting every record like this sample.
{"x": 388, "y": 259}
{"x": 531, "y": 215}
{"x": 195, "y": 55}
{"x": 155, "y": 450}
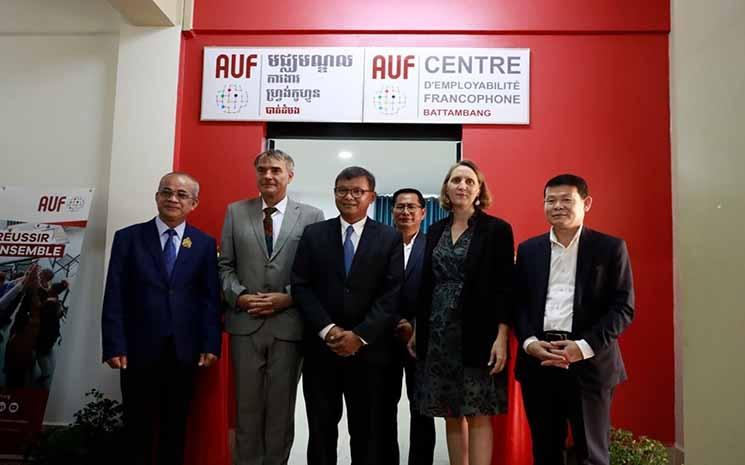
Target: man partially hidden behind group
{"x": 408, "y": 214}
{"x": 160, "y": 320}
{"x": 575, "y": 296}
{"x": 259, "y": 240}
{"x": 345, "y": 281}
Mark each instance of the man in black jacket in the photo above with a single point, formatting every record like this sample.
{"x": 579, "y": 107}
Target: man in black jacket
{"x": 574, "y": 298}
{"x": 346, "y": 280}
{"x": 408, "y": 213}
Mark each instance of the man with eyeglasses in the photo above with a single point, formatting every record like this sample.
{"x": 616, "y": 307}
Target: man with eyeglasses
{"x": 574, "y": 297}
{"x": 259, "y": 240}
{"x": 346, "y": 280}
{"x": 160, "y": 320}
{"x": 408, "y": 214}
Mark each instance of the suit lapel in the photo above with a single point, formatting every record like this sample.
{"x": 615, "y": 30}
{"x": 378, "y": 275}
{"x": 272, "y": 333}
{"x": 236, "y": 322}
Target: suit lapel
{"x": 335, "y": 251}
{"x": 542, "y": 275}
{"x": 185, "y": 254}
{"x": 584, "y": 268}
{"x": 364, "y": 245}
{"x": 416, "y": 253}
{"x": 256, "y": 218}
{"x": 151, "y": 239}
{"x": 290, "y": 219}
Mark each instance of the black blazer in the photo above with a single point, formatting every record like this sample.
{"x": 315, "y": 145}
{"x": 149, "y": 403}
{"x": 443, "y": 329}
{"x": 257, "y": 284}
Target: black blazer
{"x": 485, "y": 299}
{"x": 365, "y": 301}
{"x": 412, "y": 280}
{"x": 603, "y": 303}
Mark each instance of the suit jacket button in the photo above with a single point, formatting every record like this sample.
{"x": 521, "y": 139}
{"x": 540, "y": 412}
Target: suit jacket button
{"x": 347, "y": 290}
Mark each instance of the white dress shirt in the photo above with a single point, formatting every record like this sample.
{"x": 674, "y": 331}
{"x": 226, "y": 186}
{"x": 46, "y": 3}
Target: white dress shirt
{"x": 355, "y": 238}
{"x": 407, "y": 249}
{"x": 162, "y": 228}
{"x": 560, "y": 296}
{"x": 277, "y": 216}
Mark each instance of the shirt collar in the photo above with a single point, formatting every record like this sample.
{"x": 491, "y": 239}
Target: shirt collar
{"x": 411, "y": 242}
{"x": 358, "y": 226}
{"x": 281, "y": 206}
{"x": 574, "y": 241}
{"x": 162, "y": 227}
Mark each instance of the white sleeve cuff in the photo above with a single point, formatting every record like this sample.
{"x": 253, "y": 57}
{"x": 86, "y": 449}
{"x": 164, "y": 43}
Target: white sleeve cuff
{"x": 529, "y": 341}
{"x": 325, "y": 331}
{"x": 585, "y": 348}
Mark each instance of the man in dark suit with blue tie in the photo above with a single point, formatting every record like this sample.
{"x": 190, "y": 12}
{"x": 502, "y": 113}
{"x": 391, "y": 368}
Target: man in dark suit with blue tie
{"x": 574, "y": 297}
{"x": 408, "y": 214}
{"x": 345, "y": 281}
{"x": 160, "y": 320}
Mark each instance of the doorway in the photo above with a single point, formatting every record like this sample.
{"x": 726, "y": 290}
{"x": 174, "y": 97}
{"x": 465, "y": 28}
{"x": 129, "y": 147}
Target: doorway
{"x": 399, "y": 156}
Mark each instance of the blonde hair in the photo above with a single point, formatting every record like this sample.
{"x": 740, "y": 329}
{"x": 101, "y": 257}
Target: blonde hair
{"x": 484, "y": 198}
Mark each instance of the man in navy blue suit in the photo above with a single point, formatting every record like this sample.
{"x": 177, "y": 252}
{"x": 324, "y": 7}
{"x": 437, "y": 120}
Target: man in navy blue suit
{"x": 408, "y": 214}
{"x": 160, "y": 319}
{"x": 575, "y": 296}
{"x": 346, "y": 280}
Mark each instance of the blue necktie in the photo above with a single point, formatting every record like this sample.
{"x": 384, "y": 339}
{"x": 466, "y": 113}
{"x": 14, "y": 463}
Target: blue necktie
{"x": 348, "y": 248}
{"x": 169, "y": 252}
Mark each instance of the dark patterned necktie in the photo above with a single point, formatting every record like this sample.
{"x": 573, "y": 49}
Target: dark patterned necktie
{"x": 169, "y": 252}
{"x": 269, "y": 229}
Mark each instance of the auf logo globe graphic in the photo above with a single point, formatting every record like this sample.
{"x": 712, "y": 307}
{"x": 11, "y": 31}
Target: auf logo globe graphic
{"x": 231, "y": 98}
{"x": 75, "y": 203}
{"x": 389, "y": 100}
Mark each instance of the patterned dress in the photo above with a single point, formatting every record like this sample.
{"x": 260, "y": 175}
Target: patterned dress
{"x": 447, "y": 388}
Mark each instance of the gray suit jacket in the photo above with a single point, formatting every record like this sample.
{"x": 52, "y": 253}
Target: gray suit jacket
{"x": 246, "y": 267}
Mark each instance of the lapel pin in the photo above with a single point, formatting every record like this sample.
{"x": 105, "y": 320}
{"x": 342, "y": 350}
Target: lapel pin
{"x": 186, "y": 243}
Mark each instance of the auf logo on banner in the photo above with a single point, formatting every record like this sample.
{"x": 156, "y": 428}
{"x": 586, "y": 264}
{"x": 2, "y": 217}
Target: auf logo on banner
{"x": 55, "y": 203}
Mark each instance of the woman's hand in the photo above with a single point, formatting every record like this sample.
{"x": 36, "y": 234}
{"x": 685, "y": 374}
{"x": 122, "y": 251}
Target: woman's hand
{"x": 498, "y": 355}
{"x": 411, "y": 345}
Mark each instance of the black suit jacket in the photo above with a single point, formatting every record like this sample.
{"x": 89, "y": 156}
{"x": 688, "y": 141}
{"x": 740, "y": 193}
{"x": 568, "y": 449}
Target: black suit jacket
{"x": 603, "y": 303}
{"x": 412, "y": 279}
{"x": 365, "y": 301}
{"x": 485, "y": 299}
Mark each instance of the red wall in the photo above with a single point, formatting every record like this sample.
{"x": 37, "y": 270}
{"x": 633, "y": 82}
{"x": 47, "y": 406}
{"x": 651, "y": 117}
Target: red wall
{"x": 599, "y": 108}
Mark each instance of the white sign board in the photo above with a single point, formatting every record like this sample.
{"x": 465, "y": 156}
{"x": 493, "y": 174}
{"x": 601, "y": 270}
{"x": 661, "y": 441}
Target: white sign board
{"x": 375, "y": 85}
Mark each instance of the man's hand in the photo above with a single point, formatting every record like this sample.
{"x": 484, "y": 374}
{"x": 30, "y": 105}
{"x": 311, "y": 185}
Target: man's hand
{"x": 345, "y": 344}
{"x": 333, "y": 334}
{"x": 118, "y": 363}
{"x": 568, "y": 350}
{"x": 542, "y": 351}
{"x": 207, "y": 359}
{"x": 411, "y": 345}
{"x": 263, "y": 304}
{"x": 404, "y": 330}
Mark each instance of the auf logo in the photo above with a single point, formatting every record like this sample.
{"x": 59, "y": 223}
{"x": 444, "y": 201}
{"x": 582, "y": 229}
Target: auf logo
{"x": 231, "y": 98}
{"x": 52, "y": 203}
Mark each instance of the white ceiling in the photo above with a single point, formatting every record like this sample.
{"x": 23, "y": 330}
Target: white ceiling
{"x": 395, "y": 164}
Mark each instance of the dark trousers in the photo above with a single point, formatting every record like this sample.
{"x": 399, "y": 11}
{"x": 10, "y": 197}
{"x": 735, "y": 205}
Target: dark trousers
{"x": 553, "y": 397}
{"x": 422, "y": 428}
{"x": 156, "y": 398}
{"x": 329, "y": 380}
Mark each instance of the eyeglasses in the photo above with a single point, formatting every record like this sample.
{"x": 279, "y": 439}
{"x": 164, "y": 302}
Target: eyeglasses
{"x": 402, "y": 207}
{"x": 356, "y": 192}
{"x": 167, "y": 193}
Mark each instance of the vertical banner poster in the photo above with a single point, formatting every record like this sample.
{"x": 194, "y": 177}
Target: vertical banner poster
{"x": 41, "y": 235}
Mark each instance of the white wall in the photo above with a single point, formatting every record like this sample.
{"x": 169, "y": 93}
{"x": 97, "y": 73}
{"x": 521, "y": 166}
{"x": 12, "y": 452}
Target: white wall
{"x": 86, "y": 101}
{"x": 57, "y": 81}
{"x": 708, "y": 137}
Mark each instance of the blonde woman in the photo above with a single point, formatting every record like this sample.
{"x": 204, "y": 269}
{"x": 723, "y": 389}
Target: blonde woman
{"x": 461, "y": 336}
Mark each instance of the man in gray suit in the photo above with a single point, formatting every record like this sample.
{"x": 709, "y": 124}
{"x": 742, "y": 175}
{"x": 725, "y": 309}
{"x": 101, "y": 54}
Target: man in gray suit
{"x": 259, "y": 240}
